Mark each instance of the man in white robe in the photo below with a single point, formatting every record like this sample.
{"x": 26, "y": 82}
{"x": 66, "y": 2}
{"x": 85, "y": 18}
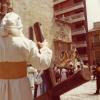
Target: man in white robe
{"x": 15, "y": 48}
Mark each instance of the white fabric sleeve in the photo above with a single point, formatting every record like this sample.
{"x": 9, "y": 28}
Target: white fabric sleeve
{"x": 42, "y": 60}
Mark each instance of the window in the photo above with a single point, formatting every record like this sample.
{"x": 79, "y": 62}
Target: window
{"x": 96, "y": 38}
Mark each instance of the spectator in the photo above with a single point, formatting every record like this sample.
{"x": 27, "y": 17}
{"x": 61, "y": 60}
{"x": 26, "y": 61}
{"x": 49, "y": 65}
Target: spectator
{"x": 98, "y": 78}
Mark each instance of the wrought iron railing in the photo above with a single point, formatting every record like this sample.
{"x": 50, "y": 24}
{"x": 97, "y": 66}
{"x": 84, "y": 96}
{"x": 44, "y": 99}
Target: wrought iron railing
{"x": 79, "y": 31}
{"x": 75, "y": 17}
{"x": 70, "y": 8}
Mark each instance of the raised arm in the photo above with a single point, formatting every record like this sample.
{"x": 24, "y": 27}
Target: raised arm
{"x": 40, "y": 60}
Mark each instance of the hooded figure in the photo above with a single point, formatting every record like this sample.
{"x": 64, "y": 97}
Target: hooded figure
{"x": 10, "y": 27}
{"x": 16, "y": 51}
{"x": 14, "y": 17}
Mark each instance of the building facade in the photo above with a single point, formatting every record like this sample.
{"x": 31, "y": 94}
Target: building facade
{"x": 94, "y": 44}
{"x": 74, "y": 12}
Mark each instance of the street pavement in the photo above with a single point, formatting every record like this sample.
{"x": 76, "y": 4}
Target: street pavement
{"x": 83, "y": 92}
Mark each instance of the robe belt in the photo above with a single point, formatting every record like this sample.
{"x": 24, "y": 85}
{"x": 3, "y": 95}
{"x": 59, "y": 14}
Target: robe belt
{"x": 13, "y": 70}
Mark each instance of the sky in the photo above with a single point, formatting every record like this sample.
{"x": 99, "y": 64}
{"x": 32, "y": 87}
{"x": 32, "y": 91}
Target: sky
{"x": 93, "y": 12}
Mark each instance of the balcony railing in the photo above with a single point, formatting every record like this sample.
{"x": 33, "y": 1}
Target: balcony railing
{"x": 97, "y": 43}
{"x": 70, "y": 8}
{"x": 84, "y": 57}
{"x": 75, "y": 18}
{"x": 58, "y": 1}
{"x": 81, "y": 44}
{"x": 78, "y": 31}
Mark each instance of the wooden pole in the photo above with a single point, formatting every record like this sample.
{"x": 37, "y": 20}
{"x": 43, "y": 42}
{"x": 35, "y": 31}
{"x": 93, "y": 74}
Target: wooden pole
{"x": 54, "y": 91}
{"x": 76, "y": 80}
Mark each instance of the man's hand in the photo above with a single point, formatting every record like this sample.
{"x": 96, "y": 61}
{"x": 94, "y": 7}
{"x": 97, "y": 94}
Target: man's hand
{"x": 43, "y": 44}
{"x": 39, "y": 44}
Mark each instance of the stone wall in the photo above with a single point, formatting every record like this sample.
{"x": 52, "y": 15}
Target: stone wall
{"x": 35, "y": 10}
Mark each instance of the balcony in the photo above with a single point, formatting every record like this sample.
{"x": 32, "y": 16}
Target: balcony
{"x": 78, "y": 31}
{"x": 84, "y": 57}
{"x": 75, "y": 18}
{"x": 97, "y": 43}
{"x": 69, "y": 9}
{"x": 96, "y": 46}
{"x": 81, "y": 44}
{"x": 58, "y": 1}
